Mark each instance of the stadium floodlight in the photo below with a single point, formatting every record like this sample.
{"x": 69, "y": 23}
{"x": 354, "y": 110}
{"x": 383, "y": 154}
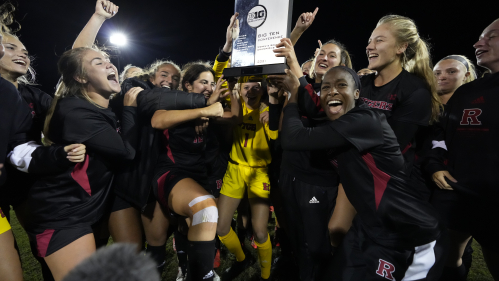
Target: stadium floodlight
{"x": 118, "y": 39}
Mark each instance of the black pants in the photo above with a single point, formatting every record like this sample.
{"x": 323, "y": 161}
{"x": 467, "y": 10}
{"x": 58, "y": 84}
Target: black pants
{"x": 307, "y": 210}
{"x": 361, "y": 258}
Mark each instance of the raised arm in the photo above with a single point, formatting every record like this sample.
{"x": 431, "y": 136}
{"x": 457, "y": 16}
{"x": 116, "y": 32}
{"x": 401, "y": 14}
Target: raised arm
{"x": 303, "y": 23}
{"x": 104, "y": 10}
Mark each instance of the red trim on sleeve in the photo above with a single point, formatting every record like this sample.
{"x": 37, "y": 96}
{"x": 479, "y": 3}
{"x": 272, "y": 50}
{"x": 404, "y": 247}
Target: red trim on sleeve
{"x": 315, "y": 98}
{"x": 380, "y": 178}
{"x": 169, "y": 150}
{"x": 79, "y": 174}
{"x": 407, "y": 148}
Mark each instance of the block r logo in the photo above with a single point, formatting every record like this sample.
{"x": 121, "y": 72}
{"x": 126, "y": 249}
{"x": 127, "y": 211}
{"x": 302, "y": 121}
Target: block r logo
{"x": 470, "y": 116}
{"x": 266, "y": 186}
{"x": 386, "y": 269}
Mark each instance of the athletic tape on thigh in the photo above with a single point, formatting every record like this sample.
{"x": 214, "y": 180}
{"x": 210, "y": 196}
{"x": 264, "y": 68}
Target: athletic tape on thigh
{"x": 204, "y": 209}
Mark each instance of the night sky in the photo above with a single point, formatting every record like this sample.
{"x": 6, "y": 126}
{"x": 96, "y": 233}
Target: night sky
{"x": 189, "y": 30}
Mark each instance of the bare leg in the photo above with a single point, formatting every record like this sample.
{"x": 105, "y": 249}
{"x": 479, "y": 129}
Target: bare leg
{"x": 457, "y": 244}
{"x": 226, "y": 208}
{"x": 65, "y": 259}
{"x": 156, "y": 222}
{"x": 243, "y": 213}
{"x": 125, "y": 226}
{"x": 181, "y": 195}
{"x": 260, "y": 218}
{"x": 10, "y": 264}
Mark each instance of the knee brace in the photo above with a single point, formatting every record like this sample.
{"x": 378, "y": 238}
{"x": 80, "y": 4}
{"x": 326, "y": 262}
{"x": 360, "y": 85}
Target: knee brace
{"x": 204, "y": 209}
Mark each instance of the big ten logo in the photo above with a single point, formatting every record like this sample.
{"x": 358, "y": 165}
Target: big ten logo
{"x": 266, "y": 186}
{"x": 249, "y": 127}
{"x": 198, "y": 139}
{"x": 219, "y": 184}
{"x": 257, "y": 16}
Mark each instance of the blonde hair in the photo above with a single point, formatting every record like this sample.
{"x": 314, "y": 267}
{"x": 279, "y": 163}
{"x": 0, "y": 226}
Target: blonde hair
{"x": 70, "y": 65}
{"x": 416, "y": 57}
{"x": 6, "y": 20}
{"x": 345, "y": 57}
{"x": 471, "y": 67}
{"x": 125, "y": 70}
{"x": 150, "y": 70}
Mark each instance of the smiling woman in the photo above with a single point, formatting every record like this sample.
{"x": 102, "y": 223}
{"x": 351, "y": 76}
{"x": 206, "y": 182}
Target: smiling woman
{"x": 80, "y": 113}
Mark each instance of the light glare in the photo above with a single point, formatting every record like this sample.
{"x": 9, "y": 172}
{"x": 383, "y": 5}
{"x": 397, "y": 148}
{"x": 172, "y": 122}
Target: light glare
{"x": 118, "y": 39}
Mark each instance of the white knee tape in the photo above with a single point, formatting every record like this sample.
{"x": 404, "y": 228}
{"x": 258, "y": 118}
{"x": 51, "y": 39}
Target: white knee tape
{"x": 203, "y": 209}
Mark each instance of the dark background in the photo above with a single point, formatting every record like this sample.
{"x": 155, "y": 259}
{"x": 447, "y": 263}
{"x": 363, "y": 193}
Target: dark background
{"x": 186, "y": 30}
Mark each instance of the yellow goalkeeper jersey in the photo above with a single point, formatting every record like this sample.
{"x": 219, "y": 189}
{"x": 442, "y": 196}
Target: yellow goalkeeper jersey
{"x": 251, "y": 140}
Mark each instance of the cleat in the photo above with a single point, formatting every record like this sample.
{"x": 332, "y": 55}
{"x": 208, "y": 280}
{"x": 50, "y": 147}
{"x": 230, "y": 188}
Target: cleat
{"x": 237, "y": 268}
{"x": 180, "y": 275}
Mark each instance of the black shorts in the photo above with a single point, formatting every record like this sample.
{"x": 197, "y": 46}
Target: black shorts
{"x": 460, "y": 213}
{"x": 163, "y": 183}
{"x": 49, "y": 241}
{"x": 215, "y": 185}
{"x": 117, "y": 203}
{"x": 216, "y": 174}
{"x": 361, "y": 258}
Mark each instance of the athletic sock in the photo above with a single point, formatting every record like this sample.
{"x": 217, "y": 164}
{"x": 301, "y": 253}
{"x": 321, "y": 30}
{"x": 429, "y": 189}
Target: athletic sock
{"x": 233, "y": 244}
{"x": 200, "y": 264}
{"x": 182, "y": 246}
{"x": 454, "y": 273}
{"x": 265, "y": 256}
{"x": 158, "y": 254}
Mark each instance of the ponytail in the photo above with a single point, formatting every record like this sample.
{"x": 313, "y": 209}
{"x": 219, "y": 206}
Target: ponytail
{"x": 50, "y": 112}
{"x": 416, "y": 58}
{"x": 70, "y": 65}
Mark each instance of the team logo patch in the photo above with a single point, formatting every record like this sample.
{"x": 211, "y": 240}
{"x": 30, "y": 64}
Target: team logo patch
{"x": 219, "y": 184}
{"x": 198, "y": 139}
{"x": 386, "y": 269}
{"x": 470, "y": 116}
{"x": 2, "y": 214}
{"x": 266, "y": 186}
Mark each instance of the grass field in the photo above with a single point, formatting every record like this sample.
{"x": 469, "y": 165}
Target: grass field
{"x": 32, "y": 271}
